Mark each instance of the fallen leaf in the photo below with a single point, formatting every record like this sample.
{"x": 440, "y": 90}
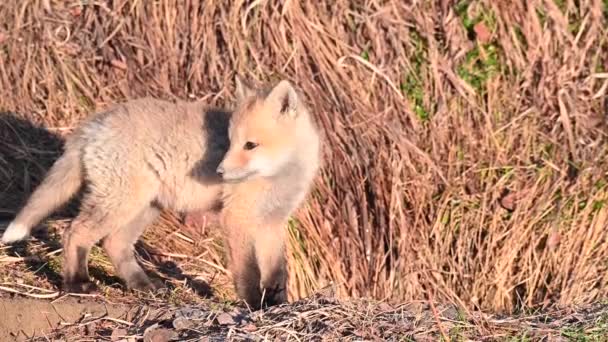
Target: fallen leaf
{"x": 509, "y": 199}
{"x": 481, "y": 31}
{"x": 553, "y": 239}
{"x": 119, "y": 64}
{"x": 140, "y": 57}
{"x": 76, "y": 11}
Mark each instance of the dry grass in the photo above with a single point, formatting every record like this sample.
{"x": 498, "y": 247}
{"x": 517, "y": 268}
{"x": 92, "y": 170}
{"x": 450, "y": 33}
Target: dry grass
{"x": 465, "y": 141}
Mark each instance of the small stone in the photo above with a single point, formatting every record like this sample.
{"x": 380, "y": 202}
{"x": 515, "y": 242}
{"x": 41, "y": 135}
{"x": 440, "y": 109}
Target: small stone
{"x": 241, "y": 317}
{"x": 156, "y": 334}
{"x": 225, "y": 319}
{"x": 181, "y": 323}
{"x": 191, "y": 313}
{"x": 90, "y": 329}
{"x": 117, "y": 334}
{"x": 250, "y": 328}
{"x": 385, "y": 307}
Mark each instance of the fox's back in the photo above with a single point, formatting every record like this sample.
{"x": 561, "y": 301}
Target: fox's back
{"x": 158, "y": 143}
{"x": 137, "y": 123}
{"x": 145, "y": 127}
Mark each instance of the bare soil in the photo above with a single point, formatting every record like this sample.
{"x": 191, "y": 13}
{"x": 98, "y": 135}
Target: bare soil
{"x": 313, "y": 319}
{"x": 25, "y": 318}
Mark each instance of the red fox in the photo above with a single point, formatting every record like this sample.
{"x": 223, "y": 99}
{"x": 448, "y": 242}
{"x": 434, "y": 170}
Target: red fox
{"x": 256, "y": 164}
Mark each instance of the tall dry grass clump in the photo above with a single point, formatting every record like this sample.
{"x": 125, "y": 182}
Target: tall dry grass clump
{"x": 465, "y": 154}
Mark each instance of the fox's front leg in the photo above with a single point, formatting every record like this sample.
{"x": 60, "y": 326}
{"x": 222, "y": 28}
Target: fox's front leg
{"x": 257, "y": 263}
{"x": 270, "y": 242}
{"x": 243, "y": 265}
{"x": 241, "y": 257}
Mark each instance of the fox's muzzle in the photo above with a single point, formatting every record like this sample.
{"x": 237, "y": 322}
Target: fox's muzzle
{"x": 233, "y": 175}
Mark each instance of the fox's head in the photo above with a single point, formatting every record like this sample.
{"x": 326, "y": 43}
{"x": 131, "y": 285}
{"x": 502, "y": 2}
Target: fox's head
{"x": 262, "y": 132}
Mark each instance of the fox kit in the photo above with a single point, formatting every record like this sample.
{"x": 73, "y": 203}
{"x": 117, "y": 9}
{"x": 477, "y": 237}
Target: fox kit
{"x": 267, "y": 171}
{"x": 144, "y": 155}
{"x": 133, "y": 159}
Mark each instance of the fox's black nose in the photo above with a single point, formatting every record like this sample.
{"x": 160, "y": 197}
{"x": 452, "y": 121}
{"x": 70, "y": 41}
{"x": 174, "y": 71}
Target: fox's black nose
{"x": 220, "y": 170}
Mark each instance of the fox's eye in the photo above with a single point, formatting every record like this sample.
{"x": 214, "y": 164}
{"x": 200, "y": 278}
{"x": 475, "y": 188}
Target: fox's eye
{"x": 250, "y": 145}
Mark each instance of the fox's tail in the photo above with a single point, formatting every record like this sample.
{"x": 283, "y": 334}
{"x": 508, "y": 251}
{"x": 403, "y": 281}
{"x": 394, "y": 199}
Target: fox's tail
{"x": 62, "y": 181}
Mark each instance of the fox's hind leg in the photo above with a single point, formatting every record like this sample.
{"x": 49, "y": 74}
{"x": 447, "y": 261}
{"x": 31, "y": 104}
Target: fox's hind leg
{"x": 100, "y": 216}
{"x": 78, "y": 240}
{"x": 119, "y": 246}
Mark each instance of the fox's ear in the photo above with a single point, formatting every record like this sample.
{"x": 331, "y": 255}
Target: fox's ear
{"x": 243, "y": 90}
{"x": 283, "y": 99}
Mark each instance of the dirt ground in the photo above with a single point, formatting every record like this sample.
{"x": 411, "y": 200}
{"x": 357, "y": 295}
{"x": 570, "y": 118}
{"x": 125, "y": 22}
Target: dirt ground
{"x": 314, "y": 319}
{"x": 465, "y": 141}
{"x": 22, "y": 318}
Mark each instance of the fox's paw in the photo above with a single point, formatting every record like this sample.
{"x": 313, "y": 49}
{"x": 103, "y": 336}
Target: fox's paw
{"x": 145, "y": 284}
{"x": 274, "y": 286}
{"x": 274, "y": 296}
{"x": 81, "y": 287}
{"x": 14, "y": 232}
